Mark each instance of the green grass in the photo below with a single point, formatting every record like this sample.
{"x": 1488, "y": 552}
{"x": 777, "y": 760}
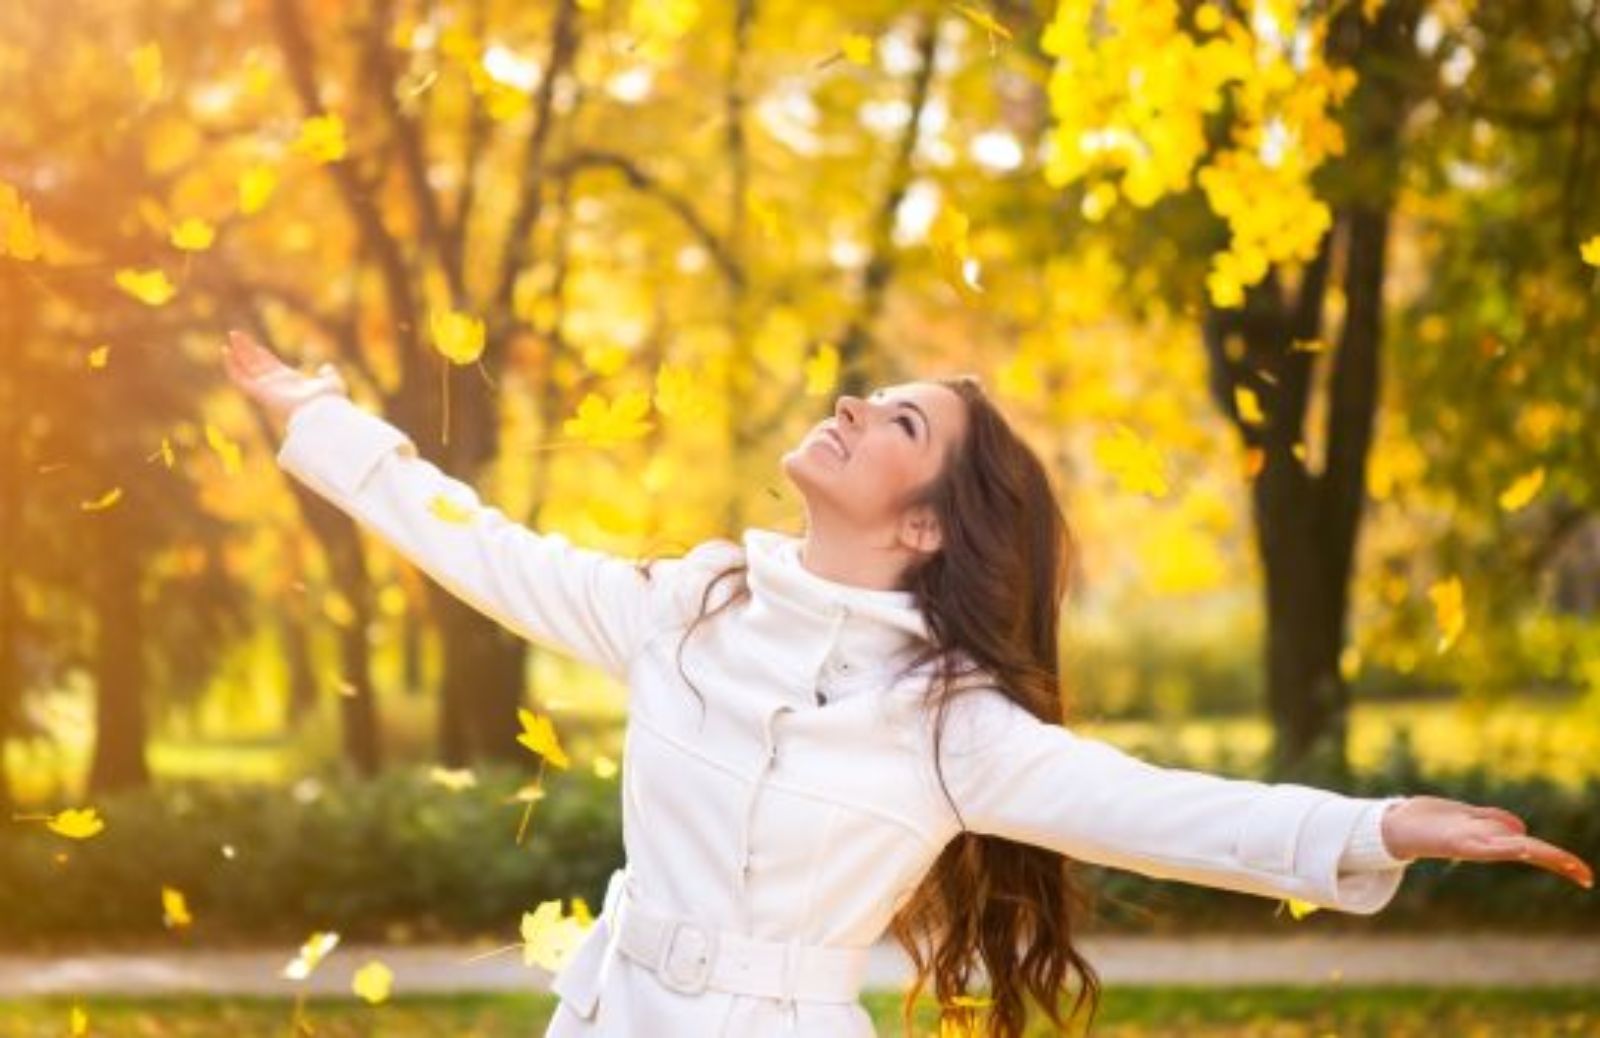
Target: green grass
{"x": 1125, "y": 1013}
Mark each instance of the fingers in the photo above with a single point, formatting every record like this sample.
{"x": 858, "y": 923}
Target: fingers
{"x": 1500, "y": 814}
{"x": 1534, "y": 851}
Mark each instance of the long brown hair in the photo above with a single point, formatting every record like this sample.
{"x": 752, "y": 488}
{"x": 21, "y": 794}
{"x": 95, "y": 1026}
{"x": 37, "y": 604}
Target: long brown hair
{"x": 992, "y": 595}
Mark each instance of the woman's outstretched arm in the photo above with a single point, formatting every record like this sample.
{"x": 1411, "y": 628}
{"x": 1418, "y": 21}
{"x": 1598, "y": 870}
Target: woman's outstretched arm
{"x": 1015, "y": 776}
{"x": 587, "y": 604}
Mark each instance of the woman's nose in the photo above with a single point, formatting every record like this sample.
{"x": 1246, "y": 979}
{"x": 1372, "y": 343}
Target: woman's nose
{"x": 845, "y": 409}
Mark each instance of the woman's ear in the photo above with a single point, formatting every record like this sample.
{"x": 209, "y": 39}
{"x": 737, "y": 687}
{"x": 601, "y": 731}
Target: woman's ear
{"x": 919, "y": 530}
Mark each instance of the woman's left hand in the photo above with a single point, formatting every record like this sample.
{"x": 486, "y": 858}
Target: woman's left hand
{"x": 1434, "y": 827}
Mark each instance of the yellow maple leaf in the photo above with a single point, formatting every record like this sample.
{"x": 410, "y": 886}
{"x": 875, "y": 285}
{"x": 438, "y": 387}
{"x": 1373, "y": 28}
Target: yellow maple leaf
{"x": 539, "y": 735}
{"x": 1300, "y": 909}
{"x": 98, "y": 356}
{"x": 174, "y": 909}
{"x": 548, "y": 937}
{"x": 19, "y": 238}
{"x": 76, "y": 823}
{"x": 150, "y": 287}
{"x": 858, "y": 48}
{"x": 321, "y": 138}
{"x": 373, "y": 982}
{"x": 1449, "y": 607}
{"x": 459, "y": 336}
{"x": 602, "y": 422}
{"x": 193, "y": 235}
{"x": 822, "y": 370}
{"x": 256, "y": 185}
{"x": 1522, "y": 490}
{"x": 448, "y": 510}
{"x": 227, "y": 450}
{"x": 104, "y": 501}
{"x": 312, "y": 952}
{"x": 1249, "y": 405}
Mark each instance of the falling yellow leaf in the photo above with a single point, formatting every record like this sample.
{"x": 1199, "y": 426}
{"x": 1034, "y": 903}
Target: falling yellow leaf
{"x": 1300, "y": 909}
{"x": 822, "y": 370}
{"x": 448, "y": 510}
{"x": 1249, "y": 405}
{"x": 312, "y": 952}
{"x": 193, "y": 235}
{"x": 602, "y": 422}
{"x": 98, "y": 356}
{"x": 1523, "y": 490}
{"x": 174, "y": 909}
{"x": 149, "y": 287}
{"x": 104, "y": 501}
{"x": 77, "y": 1022}
{"x": 321, "y": 138}
{"x": 373, "y": 982}
{"x": 604, "y": 767}
{"x": 539, "y": 735}
{"x": 76, "y": 823}
{"x": 453, "y": 779}
{"x": 457, "y": 335}
{"x": 256, "y": 185}
{"x": 858, "y": 49}
{"x": 1449, "y": 610}
{"x": 548, "y": 937}
{"x": 165, "y": 453}
{"x": 229, "y": 451}
{"x": 19, "y": 238}
{"x": 1590, "y": 251}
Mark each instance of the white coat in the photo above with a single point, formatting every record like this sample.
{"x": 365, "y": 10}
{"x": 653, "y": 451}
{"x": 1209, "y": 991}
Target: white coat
{"x": 776, "y": 817}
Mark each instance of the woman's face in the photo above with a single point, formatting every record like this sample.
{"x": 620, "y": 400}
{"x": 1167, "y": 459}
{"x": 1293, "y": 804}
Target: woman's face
{"x": 857, "y": 467}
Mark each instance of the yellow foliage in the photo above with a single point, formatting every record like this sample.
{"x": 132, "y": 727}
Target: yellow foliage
{"x": 104, "y": 501}
{"x": 458, "y": 336}
{"x": 150, "y": 287}
{"x": 174, "y": 909}
{"x": 19, "y": 238}
{"x": 601, "y": 422}
{"x": 1449, "y": 608}
{"x": 321, "y": 138}
{"x": 193, "y": 235}
{"x": 1522, "y": 490}
{"x": 312, "y": 952}
{"x": 539, "y": 735}
{"x": 549, "y": 938}
{"x": 256, "y": 185}
{"x": 76, "y": 823}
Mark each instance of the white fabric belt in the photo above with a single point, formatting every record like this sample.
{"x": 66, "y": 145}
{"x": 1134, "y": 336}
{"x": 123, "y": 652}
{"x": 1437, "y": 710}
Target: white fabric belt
{"x": 688, "y": 957}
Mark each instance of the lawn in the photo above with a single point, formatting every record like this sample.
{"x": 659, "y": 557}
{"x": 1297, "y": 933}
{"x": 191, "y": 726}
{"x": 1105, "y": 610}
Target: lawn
{"x": 1125, "y": 1013}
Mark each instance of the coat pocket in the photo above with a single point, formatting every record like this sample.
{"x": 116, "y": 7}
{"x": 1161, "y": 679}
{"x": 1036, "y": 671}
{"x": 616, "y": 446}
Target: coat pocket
{"x": 580, "y": 980}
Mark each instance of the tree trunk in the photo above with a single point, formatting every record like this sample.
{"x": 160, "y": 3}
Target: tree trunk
{"x": 118, "y": 761}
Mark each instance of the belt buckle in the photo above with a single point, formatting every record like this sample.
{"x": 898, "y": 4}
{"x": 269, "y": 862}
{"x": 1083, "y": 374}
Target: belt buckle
{"x": 695, "y": 982}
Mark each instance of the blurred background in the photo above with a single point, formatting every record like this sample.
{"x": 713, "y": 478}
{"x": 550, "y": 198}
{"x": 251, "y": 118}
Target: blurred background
{"x": 1298, "y": 301}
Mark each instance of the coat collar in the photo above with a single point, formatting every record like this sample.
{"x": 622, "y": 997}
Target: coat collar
{"x": 814, "y": 621}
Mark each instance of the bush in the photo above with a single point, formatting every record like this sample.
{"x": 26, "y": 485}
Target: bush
{"x": 384, "y": 859}
{"x": 403, "y": 858}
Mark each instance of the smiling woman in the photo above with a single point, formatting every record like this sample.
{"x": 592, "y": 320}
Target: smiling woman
{"x": 935, "y": 792}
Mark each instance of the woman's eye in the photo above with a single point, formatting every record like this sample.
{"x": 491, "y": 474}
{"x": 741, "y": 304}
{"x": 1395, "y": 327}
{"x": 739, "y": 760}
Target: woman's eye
{"x": 910, "y": 428}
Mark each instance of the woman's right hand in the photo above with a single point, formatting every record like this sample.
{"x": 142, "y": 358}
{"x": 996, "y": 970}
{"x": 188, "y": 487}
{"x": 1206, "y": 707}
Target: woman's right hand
{"x": 278, "y": 388}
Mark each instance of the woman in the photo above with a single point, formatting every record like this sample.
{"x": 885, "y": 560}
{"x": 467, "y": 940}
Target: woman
{"x": 856, "y": 730}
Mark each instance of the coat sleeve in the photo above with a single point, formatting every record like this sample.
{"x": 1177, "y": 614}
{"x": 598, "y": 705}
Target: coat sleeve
{"x": 587, "y": 604}
{"x": 1012, "y": 775}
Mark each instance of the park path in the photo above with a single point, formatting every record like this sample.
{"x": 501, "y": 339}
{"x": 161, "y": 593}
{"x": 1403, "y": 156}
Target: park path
{"x": 1442, "y": 960}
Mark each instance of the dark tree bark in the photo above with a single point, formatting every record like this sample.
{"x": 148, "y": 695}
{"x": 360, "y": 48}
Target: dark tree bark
{"x": 1307, "y": 522}
{"x": 118, "y": 761}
